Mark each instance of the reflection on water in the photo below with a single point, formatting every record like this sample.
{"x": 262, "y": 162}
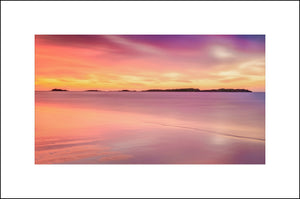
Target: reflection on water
{"x": 149, "y": 128}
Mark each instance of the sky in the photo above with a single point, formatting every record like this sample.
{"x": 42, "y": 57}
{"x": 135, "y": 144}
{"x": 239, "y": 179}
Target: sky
{"x": 140, "y": 62}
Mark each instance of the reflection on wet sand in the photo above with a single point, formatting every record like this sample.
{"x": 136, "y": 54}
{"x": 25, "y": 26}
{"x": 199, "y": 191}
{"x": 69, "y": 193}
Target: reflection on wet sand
{"x": 87, "y": 129}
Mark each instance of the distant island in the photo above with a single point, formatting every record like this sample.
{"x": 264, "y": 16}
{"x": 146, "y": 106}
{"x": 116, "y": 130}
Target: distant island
{"x": 171, "y": 90}
{"x": 197, "y": 90}
{"x": 58, "y": 89}
{"x": 92, "y": 90}
{"x": 125, "y": 90}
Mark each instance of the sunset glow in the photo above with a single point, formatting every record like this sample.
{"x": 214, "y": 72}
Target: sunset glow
{"x": 138, "y": 62}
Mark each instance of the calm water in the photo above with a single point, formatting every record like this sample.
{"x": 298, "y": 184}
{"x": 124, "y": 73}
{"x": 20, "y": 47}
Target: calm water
{"x": 149, "y": 128}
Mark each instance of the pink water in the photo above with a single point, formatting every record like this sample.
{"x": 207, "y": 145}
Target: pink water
{"x": 149, "y": 128}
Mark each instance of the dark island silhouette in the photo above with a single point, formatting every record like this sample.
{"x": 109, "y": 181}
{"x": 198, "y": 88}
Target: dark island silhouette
{"x": 172, "y": 90}
{"x": 92, "y": 90}
{"x": 126, "y": 90}
{"x": 197, "y": 90}
{"x": 58, "y": 89}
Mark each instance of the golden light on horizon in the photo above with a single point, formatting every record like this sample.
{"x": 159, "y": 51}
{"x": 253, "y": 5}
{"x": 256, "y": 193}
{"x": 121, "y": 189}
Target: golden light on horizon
{"x": 138, "y": 62}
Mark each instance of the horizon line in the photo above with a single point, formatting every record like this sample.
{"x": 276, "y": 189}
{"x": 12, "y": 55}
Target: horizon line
{"x": 157, "y": 89}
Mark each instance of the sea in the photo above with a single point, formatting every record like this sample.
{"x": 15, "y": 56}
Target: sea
{"x": 108, "y": 127}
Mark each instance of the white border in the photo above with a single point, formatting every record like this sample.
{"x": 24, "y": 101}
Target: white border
{"x": 278, "y": 20}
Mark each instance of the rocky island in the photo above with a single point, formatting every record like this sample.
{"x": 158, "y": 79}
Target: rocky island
{"x": 58, "y": 89}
